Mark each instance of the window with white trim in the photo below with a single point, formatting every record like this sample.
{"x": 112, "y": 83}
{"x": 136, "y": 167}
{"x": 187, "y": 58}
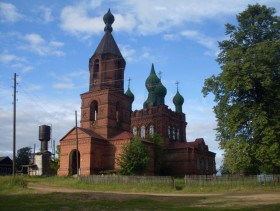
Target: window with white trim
{"x": 134, "y": 131}
{"x": 143, "y": 131}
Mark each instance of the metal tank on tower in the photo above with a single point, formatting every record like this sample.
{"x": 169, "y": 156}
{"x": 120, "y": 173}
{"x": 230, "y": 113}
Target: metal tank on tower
{"x": 44, "y": 136}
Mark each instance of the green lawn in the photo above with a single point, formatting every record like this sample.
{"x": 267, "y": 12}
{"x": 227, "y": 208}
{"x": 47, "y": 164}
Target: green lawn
{"x": 14, "y": 195}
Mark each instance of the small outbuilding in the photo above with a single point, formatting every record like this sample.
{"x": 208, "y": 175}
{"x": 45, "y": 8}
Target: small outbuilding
{"x": 6, "y": 165}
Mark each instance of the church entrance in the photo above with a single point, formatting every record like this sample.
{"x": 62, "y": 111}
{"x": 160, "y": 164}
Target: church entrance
{"x": 73, "y": 162}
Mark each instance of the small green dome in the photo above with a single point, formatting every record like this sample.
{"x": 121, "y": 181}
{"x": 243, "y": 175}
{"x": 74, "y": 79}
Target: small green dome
{"x": 130, "y": 94}
{"x": 152, "y": 80}
{"x": 178, "y": 100}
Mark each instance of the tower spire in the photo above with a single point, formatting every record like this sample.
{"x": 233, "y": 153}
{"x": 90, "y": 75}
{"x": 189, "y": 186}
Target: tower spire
{"x": 108, "y": 19}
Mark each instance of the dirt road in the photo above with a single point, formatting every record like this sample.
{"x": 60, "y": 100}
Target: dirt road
{"x": 250, "y": 199}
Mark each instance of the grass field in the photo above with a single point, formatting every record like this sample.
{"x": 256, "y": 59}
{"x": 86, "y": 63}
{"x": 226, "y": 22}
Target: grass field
{"x": 66, "y": 193}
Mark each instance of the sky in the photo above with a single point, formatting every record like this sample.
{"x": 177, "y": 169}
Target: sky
{"x": 48, "y": 45}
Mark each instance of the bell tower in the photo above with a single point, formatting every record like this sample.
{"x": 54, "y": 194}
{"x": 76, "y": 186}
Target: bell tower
{"x": 107, "y": 65}
{"x": 105, "y": 108}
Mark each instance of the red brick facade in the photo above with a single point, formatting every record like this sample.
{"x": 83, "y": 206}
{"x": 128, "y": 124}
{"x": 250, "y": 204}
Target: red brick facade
{"x": 107, "y": 121}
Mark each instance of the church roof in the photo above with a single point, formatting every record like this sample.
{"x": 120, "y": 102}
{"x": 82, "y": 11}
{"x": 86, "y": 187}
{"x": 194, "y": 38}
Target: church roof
{"x": 86, "y": 131}
{"x": 108, "y": 44}
{"x": 90, "y": 133}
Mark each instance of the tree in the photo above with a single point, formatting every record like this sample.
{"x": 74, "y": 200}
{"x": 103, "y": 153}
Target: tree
{"x": 135, "y": 158}
{"x": 55, "y": 162}
{"x": 23, "y": 157}
{"x": 247, "y": 92}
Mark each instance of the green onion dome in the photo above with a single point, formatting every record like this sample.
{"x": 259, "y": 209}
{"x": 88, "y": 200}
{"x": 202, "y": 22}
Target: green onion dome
{"x": 151, "y": 101}
{"x": 178, "y": 101}
{"x": 160, "y": 93}
{"x": 160, "y": 90}
{"x": 130, "y": 95}
{"x": 152, "y": 80}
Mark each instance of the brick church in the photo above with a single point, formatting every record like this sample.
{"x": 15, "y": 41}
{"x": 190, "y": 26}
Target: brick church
{"x": 108, "y": 122}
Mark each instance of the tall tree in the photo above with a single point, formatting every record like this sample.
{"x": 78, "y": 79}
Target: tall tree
{"x": 135, "y": 158}
{"x": 23, "y": 157}
{"x": 247, "y": 92}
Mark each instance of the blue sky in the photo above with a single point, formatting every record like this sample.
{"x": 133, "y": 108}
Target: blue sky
{"x": 48, "y": 44}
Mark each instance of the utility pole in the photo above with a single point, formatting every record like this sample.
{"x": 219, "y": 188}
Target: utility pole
{"x": 53, "y": 149}
{"x": 34, "y": 153}
{"x": 14, "y": 125}
{"x": 77, "y": 148}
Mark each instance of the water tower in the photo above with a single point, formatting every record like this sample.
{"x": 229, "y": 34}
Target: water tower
{"x": 44, "y": 136}
{"x": 41, "y": 164}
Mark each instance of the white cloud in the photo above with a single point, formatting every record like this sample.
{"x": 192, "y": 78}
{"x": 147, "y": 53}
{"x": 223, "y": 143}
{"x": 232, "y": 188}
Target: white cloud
{"x": 47, "y": 14}
{"x": 82, "y": 20}
{"x": 34, "y": 39}
{"x": 9, "y": 13}
{"x": 27, "y": 69}
{"x": 75, "y": 19}
{"x": 56, "y": 44}
{"x": 203, "y": 40}
{"x": 125, "y": 22}
{"x": 7, "y": 58}
{"x": 41, "y": 47}
{"x": 145, "y": 17}
{"x": 162, "y": 15}
{"x": 171, "y": 37}
{"x": 127, "y": 52}
{"x": 63, "y": 86}
{"x": 70, "y": 80}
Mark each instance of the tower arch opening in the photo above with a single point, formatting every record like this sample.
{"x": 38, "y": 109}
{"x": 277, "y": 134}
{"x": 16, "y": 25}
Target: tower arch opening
{"x": 95, "y": 68}
{"x": 93, "y": 110}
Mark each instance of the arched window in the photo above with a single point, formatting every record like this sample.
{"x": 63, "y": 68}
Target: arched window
{"x": 152, "y": 130}
{"x": 118, "y": 112}
{"x": 169, "y": 132}
{"x": 93, "y": 110}
{"x": 173, "y": 133}
{"x": 134, "y": 130}
{"x": 95, "y": 68}
{"x": 143, "y": 131}
{"x": 178, "y": 134}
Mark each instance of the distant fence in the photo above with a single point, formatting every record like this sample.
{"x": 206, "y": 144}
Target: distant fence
{"x": 188, "y": 180}
{"x": 128, "y": 180}
{"x": 200, "y": 180}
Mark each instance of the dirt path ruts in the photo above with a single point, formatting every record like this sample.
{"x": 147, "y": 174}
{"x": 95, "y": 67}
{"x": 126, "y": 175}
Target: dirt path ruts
{"x": 269, "y": 197}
